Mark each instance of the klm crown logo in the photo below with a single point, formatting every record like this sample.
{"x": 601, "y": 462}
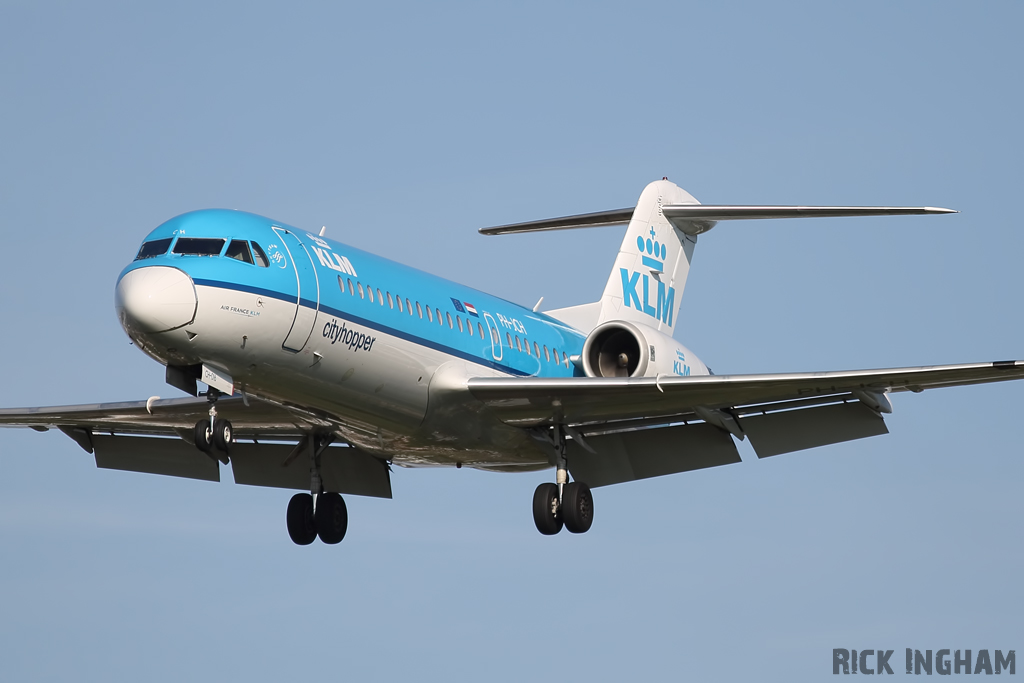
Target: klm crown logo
{"x": 652, "y": 255}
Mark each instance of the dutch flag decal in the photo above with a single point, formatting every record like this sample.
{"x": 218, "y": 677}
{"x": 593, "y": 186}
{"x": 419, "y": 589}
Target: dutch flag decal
{"x": 470, "y": 308}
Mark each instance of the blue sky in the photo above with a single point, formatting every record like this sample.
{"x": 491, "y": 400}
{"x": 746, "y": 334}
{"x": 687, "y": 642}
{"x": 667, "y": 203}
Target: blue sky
{"x": 405, "y": 127}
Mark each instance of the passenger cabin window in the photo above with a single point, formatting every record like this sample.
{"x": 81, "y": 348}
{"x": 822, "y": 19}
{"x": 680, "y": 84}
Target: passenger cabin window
{"x": 430, "y": 316}
{"x": 369, "y": 293}
{"x": 198, "y": 246}
{"x": 459, "y": 321}
{"x": 408, "y": 306}
{"x": 239, "y": 249}
{"x": 391, "y": 302}
{"x": 469, "y": 324}
{"x": 341, "y": 284}
{"x": 536, "y": 350}
{"x": 154, "y": 248}
{"x": 380, "y": 297}
{"x": 480, "y": 329}
{"x": 451, "y": 325}
{"x": 547, "y": 356}
{"x": 261, "y": 259}
{"x": 360, "y": 286}
{"x": 418, "y": 310}
{"x": 508, "y": 337}
{"x": 351, "y": 289}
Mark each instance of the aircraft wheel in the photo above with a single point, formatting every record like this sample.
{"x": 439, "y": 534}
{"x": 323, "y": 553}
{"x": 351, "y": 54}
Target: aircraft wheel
{"x": 223, "y": 434}
{"x": 331, "y": 518}
{"x": 577, "y": 507}
{"x": 301, "y": 526}
{"x": 204, "y": 436}
{"x": 545, "y": 509}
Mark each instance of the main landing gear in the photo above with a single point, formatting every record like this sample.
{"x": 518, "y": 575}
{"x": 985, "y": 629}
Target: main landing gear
{"x": 563, "y": 503}
{"x": 327, "y": 518}
{"x": 316, "y": 513}
{"x": 214, "y": 433}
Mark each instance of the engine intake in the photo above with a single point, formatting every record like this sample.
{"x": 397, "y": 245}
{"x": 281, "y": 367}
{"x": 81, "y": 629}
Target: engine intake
{"x": 615, "y": 349}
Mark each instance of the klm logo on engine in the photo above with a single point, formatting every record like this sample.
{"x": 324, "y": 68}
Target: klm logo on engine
{"x": 679, "y": 365}
{"x": 663, "y": 305}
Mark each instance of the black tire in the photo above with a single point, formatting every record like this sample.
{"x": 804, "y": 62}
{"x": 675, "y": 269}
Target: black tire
{"x": 301, "y": 526}
{"x": 331, "y": 517}
{"x": 203, "y": 436}
{"x": 546, "y": 514}
{"x": 577, "y": 507}
{"x": 223, "y": 435}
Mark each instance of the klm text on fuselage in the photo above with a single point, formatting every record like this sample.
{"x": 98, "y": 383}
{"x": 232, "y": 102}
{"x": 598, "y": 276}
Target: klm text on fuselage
{"x": 666, "y": 296}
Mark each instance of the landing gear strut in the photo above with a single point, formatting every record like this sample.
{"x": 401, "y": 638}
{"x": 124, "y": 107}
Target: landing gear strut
{"x": 563, "y": 503}
{"x": 214, "y": 433}
{"x": 316, "y": 513}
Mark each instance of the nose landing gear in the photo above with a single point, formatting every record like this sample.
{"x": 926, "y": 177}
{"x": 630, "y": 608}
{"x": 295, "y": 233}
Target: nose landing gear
{"x": 214, "y": 433}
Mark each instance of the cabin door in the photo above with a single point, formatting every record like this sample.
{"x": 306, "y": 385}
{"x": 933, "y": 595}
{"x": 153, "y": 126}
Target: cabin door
{"x": 492, "y": 328}
{"x": 308, "y": 293}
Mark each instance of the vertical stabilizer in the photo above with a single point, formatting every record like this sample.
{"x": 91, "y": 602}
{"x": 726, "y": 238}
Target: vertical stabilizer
{"x": 646, "y": 283}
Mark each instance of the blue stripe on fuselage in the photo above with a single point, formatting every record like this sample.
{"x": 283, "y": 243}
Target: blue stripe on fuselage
{"x": 365, "y": 322}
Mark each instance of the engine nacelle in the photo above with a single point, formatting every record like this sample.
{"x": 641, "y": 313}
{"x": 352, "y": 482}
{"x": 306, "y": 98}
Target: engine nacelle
{"x": 624, "y": 349}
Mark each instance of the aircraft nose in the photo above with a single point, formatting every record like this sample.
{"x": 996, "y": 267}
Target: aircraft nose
{"x": 155, "y": 299}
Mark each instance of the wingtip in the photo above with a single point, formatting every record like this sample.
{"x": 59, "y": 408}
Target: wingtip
{"x": 934, "y": 209}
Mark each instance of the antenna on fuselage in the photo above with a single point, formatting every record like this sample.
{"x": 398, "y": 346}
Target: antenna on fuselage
{"x": 323, "y": 230}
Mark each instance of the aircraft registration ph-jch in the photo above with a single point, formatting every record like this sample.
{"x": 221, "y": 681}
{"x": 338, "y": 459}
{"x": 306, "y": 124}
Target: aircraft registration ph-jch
{"x": 325, "y": 365}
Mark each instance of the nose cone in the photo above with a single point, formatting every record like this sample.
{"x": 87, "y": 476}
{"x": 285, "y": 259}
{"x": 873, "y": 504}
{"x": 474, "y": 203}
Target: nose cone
{"x": 155, "y": 299}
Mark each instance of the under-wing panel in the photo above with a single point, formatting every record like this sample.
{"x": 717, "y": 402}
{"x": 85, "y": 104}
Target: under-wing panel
{"x": 796, "y": 430}
{"x": 627, "y": 456}
{"x": 342, "y": 470}
{"x": 170, "y": 457}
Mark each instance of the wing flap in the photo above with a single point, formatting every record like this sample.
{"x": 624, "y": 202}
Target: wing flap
{"x": 797, "y": 430}
{"x": 342, "y": 469}
{"x": 169, "y": 457}
{"x": 640, "y": 454}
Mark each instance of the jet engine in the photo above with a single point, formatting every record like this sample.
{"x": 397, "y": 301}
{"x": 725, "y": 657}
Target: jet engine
{"x": 624, "y": 349}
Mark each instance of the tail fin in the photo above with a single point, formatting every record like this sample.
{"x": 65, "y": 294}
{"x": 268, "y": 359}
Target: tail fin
{"x": 646, "y": 283}
{"x": 647, "y": 280}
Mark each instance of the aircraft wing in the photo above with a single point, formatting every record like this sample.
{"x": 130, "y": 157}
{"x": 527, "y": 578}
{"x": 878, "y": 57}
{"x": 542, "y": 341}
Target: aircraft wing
{"x": 631, "y": 428}
{"x": 166, "y": 417}
{"x": 126, "y": 436}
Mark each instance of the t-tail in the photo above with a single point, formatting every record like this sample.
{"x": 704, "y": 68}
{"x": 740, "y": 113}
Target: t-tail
{"x": 646, "y": 283}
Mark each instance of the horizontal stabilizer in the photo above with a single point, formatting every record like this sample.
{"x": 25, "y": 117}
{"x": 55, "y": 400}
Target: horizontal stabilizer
{"x": 697, "y": 218}
{"x": 583, "y": 220}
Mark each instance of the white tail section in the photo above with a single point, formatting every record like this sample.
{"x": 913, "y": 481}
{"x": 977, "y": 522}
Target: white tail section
{"x": 646, "y": 283}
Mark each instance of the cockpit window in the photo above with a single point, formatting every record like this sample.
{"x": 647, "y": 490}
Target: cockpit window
{"x": 261, "y": 259}
{"x": 154, "y": 248}
{"x": 239, "y": 249}
{"x": 198, "y": 246}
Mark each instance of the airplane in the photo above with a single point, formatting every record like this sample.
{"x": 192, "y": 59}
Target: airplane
{"x": 326, "y": 365}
